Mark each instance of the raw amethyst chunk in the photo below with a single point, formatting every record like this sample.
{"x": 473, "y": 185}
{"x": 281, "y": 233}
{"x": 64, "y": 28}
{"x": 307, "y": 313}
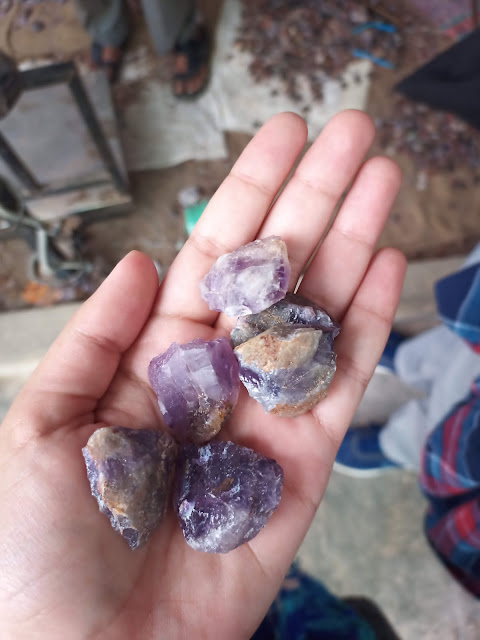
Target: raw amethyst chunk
{"x": 293, "y": 309}
{"x": 249, "y": 279}
{"x": 197, "y": 387}
{"x": 286, "y": 355}
{"x": 224, "y": 494}
{"x": 287, "y": 368}
{"x": 131, "y": 475}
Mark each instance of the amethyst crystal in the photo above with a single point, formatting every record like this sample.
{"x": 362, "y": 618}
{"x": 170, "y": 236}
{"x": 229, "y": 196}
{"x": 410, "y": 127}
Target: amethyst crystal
{"x": 293, "y": 309}
{"x": 224, "y": 494}
{"x": 286, "y": 355}
{"x": 249, "y": 279}
{"x": 131, "y": 475}
{"x": 197, "y": 387}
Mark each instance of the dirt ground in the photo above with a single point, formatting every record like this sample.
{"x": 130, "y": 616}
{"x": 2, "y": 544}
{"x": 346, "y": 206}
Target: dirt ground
{"x": 433, "y": 219}
{"x": 47, "y": 30}
{"x": 156, "y": 225}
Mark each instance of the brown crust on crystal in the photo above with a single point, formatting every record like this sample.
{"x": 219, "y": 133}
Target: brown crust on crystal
{"x": 292, "y": 411}
{"x": 275, "y": 349}
{"x": 217, "y": 419}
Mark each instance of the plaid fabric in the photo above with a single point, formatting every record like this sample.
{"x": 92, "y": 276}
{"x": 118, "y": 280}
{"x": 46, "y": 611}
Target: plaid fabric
{"x": 458, "y": 302}
{"x": 450, "y": 476}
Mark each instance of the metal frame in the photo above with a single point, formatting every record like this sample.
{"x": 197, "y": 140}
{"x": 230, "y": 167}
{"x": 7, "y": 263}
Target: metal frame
{"x": 63, "y": 73}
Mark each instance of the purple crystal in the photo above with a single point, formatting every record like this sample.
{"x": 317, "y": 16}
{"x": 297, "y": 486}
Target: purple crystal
{"x": 249, "y": 279}
{"x": 197, "y": 387}
{"x": 224, "y": 495}
{"x": 286, "y": 355}
{"x": 131, "y": 475}
{"x": 293, "y": 309}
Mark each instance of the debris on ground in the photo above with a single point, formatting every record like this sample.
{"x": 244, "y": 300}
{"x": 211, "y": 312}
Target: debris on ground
{"x": 316, "y": 39}
{"x": 435, "y": 140}
{"x": 45, "y": 293}
{"x": 37, "y": 26}
{"x": 5, "y": 6}
{"x": 454, "y": 16}
{"x": 40, "y": 295}
{"x": 190, "y": 196}
{"x": 192, "y": 202}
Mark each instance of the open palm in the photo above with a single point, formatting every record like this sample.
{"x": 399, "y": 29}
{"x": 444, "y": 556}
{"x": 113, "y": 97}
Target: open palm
{"x": 64, "y": 573}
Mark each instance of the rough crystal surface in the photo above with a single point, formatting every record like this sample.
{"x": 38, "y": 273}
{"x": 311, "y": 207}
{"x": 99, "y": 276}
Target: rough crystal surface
{"x": 225, "y": 494}
{"x": 197, "y": 387}
{"x": 286, "y": 355}
{"x": 293, "y": 309}
{"x": 249, "y": 279}
{"x": 131, "y": 474}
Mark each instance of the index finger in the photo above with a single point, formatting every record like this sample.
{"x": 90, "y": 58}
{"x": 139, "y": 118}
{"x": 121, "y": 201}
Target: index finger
{"x": 233, "y": 216}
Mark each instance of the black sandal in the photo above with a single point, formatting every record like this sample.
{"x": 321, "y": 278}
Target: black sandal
{"x": 195, "y": 49}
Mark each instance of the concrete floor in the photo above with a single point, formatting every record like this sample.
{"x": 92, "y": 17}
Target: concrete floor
{"x": 367, "y": 540}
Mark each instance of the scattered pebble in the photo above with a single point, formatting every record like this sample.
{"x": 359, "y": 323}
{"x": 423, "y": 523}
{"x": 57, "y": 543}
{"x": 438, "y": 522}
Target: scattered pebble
{"x": 309, "y": 38}
{"x": 436, "y": 141}
{"x": 312, "y": 40}
{"x": 422, "y": 181}
{"x": 5, "y": 6}
{"x": 37, "y": 26}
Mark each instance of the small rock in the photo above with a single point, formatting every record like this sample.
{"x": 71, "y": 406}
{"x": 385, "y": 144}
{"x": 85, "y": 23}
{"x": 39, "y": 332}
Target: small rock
{"x": 131, "y": 474}
{"x": 287, "y": 369}
{"x": 248, "y": 280}
{"x": 458, "y": 183}
{"x": 358, "y": 15}
{"x": 37, "y": 26}
{"x": 422, "y": 181}
{"x": 224, "y": 495}
{"x": 5, "y": 6}
{"x": 293, "y": 309}
{"x": 286, "y": 355}
{"x": 197, "y": 387}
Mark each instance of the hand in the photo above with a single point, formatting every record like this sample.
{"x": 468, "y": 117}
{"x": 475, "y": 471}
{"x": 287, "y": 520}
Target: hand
{"x": 64, "y": 573}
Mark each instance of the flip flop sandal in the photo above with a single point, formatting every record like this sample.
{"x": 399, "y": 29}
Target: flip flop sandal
{"x": 196, "y": 53}
{"x": 107, "y": 58}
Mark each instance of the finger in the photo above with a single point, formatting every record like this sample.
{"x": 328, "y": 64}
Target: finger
{"x": 343, "y": 257}
{"x": 82, "y": 361}
{"x": 234, "y": 214}
{"x": 302, "y": 212}
{"x": 307, "y": 466}
{"x": 365, "y": 330}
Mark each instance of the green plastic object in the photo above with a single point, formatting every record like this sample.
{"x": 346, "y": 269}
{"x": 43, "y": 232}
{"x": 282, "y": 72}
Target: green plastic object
{"x": 192, "y": 215}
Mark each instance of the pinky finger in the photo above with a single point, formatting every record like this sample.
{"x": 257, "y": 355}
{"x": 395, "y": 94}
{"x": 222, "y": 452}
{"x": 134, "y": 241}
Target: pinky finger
{"x": 365, "y": 330}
